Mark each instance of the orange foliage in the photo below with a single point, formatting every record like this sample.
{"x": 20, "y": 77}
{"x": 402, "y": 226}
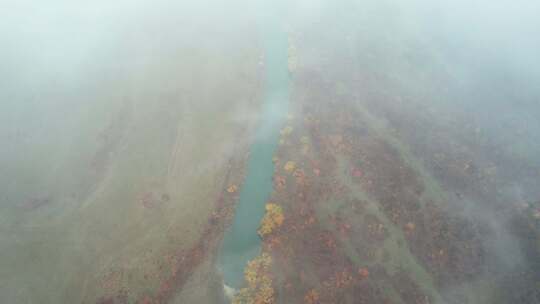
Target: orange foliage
{"x": 311, "y": 297}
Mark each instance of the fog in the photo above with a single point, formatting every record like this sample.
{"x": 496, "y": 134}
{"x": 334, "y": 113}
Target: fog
{"x": 353, "y": 151}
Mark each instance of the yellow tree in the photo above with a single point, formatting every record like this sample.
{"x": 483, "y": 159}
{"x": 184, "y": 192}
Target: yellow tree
{"x": 271, "y": 220}
{"x": 259, "y": 288}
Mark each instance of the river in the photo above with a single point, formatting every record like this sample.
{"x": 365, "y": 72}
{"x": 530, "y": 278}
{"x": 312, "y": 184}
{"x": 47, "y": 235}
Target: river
{"x": 241, "y": 242}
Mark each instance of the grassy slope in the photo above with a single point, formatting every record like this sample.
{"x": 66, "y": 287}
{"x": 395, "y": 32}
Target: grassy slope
{"x": 172, "y": 129}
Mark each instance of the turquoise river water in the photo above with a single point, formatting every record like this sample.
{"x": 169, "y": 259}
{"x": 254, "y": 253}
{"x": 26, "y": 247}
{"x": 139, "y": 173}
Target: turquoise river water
{"x": 241, "y": 242}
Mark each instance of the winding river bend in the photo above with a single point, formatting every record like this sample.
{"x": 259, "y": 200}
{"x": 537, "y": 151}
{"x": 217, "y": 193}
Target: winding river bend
{"x": 241, "y": 242}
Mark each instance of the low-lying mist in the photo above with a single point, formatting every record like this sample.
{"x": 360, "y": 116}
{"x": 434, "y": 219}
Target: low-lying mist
{"x": 127, "y": 128}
